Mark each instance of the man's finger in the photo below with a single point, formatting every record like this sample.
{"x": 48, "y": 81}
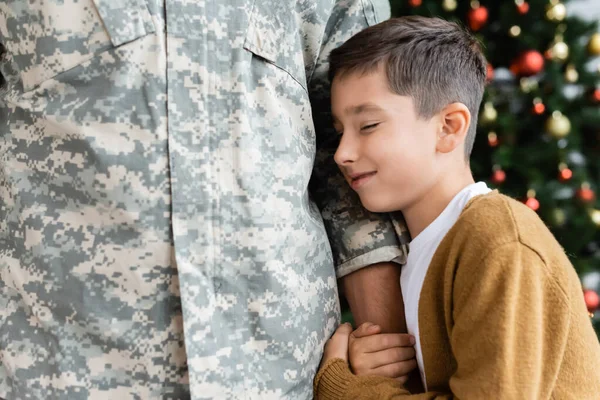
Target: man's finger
{"x": 366, "y": 329}
{"x": 371, "y": 344}
{"x": 396, "y": 370}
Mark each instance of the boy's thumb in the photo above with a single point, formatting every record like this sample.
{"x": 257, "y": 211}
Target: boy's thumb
{"x": 344, "y": 329}
{"x": 366, "y": 329}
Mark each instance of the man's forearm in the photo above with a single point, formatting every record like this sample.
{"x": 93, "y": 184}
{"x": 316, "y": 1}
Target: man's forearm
{"x": 374, "y": 295}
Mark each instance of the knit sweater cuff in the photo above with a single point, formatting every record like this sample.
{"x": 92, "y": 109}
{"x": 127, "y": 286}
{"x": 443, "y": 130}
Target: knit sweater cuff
{"x": 333, "y": 380}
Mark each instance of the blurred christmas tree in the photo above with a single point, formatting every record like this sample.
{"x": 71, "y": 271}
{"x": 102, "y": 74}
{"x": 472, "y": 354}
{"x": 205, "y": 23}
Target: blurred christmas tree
{"x": 539, "y": 127}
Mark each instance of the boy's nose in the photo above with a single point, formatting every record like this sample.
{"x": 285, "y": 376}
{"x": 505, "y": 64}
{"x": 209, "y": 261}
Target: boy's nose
{"x": 346, "y": 152}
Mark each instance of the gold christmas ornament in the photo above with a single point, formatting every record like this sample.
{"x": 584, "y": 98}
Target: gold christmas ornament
{"x": 558, "y": 125}
{"x": 489, "y": 113}
{"x": 559, "y": 217}
{"x": 514, "y": 31}
{"x": 528, "y": 84}
{"x": 594, "y": 45}
{"x": 449, "y": 5}
{"x": 571, "y": 74}
{"x": 559, "y": 51}
{"x": 556, "y": 12}
{"x": 595, "y": 216}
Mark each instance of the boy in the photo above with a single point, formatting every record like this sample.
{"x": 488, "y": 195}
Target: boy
{"x": 494, "y": 305}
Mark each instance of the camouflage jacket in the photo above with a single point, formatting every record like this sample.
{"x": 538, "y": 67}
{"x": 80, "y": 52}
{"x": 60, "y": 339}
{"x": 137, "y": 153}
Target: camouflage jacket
{"x": 158, "y": 238}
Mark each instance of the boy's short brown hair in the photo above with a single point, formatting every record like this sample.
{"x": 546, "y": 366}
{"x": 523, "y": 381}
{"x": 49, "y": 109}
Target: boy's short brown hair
{"x": 434, "y": 61}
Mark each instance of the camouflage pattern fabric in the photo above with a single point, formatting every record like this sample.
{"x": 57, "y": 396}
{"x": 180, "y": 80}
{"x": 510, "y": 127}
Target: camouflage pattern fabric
{"x": 158, "y": 238}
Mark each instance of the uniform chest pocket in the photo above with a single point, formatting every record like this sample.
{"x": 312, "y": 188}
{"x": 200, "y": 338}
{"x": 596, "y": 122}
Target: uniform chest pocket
{"x": 275, "y": 35}
{"x": 44, "y": 39}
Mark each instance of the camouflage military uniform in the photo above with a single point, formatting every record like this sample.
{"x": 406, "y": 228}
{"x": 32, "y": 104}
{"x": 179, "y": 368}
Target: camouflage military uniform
{"x": 157, "y": 236}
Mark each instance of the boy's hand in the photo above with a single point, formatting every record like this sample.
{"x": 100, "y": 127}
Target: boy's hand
{"x": 383, "y": 354}
{"x": 337, "y": 346}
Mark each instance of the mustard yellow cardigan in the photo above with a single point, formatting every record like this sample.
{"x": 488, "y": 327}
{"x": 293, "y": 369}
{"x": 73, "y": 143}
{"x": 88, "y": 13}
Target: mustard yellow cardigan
{"x": 501, "y": 316}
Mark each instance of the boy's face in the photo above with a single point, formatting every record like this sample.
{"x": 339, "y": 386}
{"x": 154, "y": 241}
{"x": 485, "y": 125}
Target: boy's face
{"x": 386, "y": 153}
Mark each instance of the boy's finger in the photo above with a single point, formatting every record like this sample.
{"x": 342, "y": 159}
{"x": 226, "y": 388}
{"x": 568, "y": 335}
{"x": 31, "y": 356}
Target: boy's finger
{"x": 337, "y": 345}
{"x": 388, "y": 356}
{"x": 371, "y": 344}
{"x": 396, "y": 370}
{"x": 343, "y": 330}
{"x": 366, "y": 329}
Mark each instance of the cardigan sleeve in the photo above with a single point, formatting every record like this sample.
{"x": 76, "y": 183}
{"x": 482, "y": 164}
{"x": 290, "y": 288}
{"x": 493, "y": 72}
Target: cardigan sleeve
{"x": 510, "y": 328}
{"x": 336, "y": 381}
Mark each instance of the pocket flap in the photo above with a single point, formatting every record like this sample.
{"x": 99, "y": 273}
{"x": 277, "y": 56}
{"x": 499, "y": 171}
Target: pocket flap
{"x": 273, "y": 34}
{"x": 46, "y": 39}
{"x": 125, "y": 20}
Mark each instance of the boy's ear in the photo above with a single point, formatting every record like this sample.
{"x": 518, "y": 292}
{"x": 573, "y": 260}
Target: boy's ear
{"x": 455, "y": 119}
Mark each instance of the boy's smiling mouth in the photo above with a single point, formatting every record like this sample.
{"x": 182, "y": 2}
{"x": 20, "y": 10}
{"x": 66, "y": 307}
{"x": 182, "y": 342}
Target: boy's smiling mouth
{"x": 359, "y": 179}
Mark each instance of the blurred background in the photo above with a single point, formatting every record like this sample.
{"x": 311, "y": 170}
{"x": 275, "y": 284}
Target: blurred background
{"x": 539, "y": 135}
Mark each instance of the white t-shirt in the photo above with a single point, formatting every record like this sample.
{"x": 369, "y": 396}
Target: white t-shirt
{"x": 422, "y": 249}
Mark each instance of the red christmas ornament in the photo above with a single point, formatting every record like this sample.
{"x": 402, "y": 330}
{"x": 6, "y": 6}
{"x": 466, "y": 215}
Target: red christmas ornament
{"x": 529, "y": 63}
{"x": 532, "y": 203}
{"x": 493, "y": 139}
{"x": 539, "y": 108}
{"x": 415, "y": 3}
{"x": 592, "y": 300}
{"x": 523, "y": 8}
{"x": 586, "y": 194}
{"x": 498, "y": 177}
{"x": 565, "y": 174}
{"x": 596, "y": 96}
{"x": 477, "y": 17}
{"x": 490, "y": 72}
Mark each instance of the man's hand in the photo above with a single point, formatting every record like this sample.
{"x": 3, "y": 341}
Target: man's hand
{"x": 383, "y": 354}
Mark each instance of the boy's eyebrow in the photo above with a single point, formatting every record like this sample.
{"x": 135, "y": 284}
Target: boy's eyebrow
{"x": 361, "y": 108}
{"x": 358, "y": 109}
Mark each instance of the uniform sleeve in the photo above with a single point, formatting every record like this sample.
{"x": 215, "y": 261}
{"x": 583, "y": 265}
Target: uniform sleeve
{"x": 510, "y": 327}
{"x": 358, "y": 238}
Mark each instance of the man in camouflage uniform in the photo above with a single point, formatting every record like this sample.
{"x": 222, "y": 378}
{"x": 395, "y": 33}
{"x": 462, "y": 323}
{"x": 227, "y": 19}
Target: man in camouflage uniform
{"x": 157, "y": 237}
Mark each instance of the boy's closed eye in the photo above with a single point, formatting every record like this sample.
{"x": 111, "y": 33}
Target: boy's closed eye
{"x": 365, "y": 128}
{"x": 369, "y": 127}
